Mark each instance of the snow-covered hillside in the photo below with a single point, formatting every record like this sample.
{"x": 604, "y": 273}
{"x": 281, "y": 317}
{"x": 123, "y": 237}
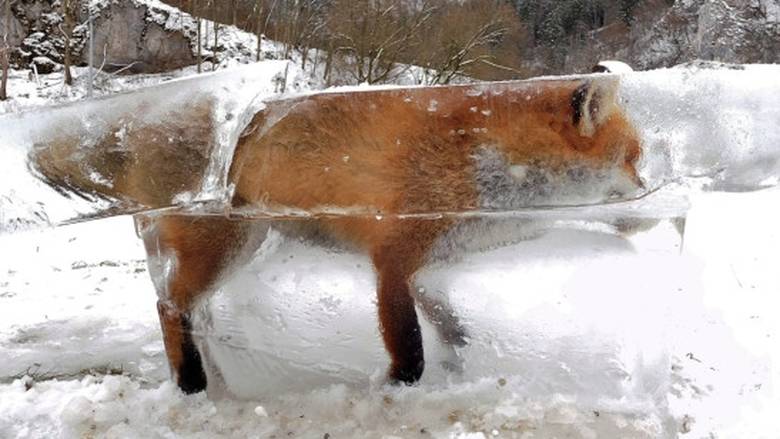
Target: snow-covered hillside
{"x": 28, "y": 90}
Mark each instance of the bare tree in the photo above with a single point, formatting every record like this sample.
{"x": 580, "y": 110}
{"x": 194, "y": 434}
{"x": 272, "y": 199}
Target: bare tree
{"x": 326, "y": 75}
{"x": 5, "y": 53}
{"x": 464, "y": 36}
{"x": 372, "y": 40}
{"x": 306, "y": 25}
{"x": 216, "y": 35}
{"x": 67, "y": 9}
{"x": 194, "y": 6}
{"x": 375, "y": 35}
{"x": 263, "y": 11}
{"x": 290, "y": 23}
{"x": 257, "y": 12}
{"x": 91, "y": 54}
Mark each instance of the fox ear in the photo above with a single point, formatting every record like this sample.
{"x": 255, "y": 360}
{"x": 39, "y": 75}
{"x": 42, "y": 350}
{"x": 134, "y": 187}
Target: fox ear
{"x": 592, "y": 103}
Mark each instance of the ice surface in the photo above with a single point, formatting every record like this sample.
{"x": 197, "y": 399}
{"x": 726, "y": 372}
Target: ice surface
{"x": 709, "y": 121}
{"x": 300, "y": 313}
{"x": 184, "y": 129}
{"x": 305, "y": 315}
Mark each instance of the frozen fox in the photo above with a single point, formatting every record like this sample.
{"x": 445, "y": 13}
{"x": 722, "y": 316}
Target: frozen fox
{"x": 395, "y": 153}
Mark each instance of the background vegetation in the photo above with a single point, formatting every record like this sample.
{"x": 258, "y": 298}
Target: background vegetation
{"x": 486, "y": 39}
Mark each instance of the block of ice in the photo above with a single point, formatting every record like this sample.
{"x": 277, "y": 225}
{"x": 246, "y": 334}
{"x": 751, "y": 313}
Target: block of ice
{"x": 391, "y": 181}
{"x": 557, "y": 142}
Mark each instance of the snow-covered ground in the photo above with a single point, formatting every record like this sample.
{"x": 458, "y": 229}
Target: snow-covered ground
{"x": 236, "y": 47}
{"x": 560, "y": 346}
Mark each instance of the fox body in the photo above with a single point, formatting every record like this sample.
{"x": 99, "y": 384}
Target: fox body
{"x": 369, "y": 168}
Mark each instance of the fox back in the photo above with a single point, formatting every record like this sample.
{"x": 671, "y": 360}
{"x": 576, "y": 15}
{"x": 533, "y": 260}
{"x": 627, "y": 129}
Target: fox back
{"x": 442, "y": 149}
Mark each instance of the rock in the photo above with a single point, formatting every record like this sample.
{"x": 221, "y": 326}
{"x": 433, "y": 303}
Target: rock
{"x": 731, "y": 31}
{"x": 665, "y": 35}
{"x": 16, "y": 31}
{"x": 127, "y": 33}
{"x": 44, "y": 65}
{"x": 166, "y": 51}
{"x": 126, "y": 37}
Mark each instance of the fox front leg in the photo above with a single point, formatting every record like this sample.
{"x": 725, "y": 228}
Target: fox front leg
{"x": 187, "y": 255}
{"x": 396, "y": 261}
{"x": 183, "y": 356}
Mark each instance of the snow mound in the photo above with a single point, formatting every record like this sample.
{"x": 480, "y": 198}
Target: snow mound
{"x": 117, "y": 406}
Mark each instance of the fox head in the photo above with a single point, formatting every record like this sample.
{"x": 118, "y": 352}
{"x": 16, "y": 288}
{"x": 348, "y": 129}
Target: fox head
{"x": 557, "y": 143}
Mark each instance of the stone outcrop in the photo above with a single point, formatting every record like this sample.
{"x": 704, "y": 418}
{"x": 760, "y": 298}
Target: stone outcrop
{"x": 663, "y": 35}
{"x": 732, "y": 31}
{"x": 129, "y": 35}
{"x": 15, "y": 31}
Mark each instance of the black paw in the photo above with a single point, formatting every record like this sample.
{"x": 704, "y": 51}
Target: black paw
{"x": 192, "y": 384}
{"x": 191, "y": 377}
{"x": 408, "y": 375}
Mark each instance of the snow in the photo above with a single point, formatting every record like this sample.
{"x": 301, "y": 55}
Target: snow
{"x": 694, "y": 344}
{"x": 613, "y": 66}
{"x": 78, "y": 281}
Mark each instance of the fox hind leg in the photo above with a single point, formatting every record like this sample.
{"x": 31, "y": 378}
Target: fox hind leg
{"x": 183, "y": 356}
{"x": 438, "y": 311}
